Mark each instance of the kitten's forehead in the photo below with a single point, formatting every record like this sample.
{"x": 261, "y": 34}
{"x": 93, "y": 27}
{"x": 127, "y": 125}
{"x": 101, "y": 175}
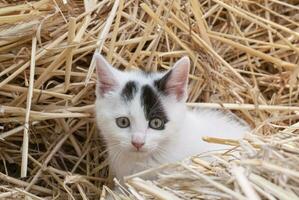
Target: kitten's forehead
{"x": 148, "y": 96}
{"x": 134, "y": 81}
{"x": 129, "y": 90}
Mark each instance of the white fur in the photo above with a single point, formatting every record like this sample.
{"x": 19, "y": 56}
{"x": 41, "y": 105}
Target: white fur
{"x": 180, "y": 138}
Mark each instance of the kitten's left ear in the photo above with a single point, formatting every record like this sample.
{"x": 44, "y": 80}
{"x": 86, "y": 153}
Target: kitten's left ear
{"x": 107, "y": 75}
{"x": 175, "y": 81}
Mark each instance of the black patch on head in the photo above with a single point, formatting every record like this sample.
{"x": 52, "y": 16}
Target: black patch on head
{"x": 152, "y": 104}
{"x": 129, "y": 91}
{"x": 160, "y": 84}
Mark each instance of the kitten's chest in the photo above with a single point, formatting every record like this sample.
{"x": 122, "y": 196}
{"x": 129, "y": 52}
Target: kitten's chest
{"x": 126, "y": 165}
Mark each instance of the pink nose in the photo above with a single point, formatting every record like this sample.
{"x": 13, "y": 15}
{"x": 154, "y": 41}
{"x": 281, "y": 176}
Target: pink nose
{"x": 138, "y": 145}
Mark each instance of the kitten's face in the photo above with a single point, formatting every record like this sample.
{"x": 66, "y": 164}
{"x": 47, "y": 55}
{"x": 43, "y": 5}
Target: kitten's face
{"x": 136, "y": 112}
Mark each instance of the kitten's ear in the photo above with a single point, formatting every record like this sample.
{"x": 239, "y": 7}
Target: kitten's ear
{"x": 106, "y": 75}
{"x": 175, "y": 81}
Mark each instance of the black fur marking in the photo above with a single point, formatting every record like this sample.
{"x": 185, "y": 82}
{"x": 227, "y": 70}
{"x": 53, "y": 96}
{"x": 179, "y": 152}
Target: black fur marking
{"x": 152, "y": 104}
{"x": 160, "y": 84}
{"x": 129, "y": 91}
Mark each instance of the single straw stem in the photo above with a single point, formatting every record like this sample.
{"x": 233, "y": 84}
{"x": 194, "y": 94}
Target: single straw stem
{"x": 28, "y": 108}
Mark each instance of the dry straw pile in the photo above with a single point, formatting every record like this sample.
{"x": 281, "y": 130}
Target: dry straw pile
{"x": 244, "y": 58}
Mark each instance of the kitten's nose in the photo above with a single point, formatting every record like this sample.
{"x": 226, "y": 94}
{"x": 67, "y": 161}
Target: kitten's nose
{"x": 138, "y": 145}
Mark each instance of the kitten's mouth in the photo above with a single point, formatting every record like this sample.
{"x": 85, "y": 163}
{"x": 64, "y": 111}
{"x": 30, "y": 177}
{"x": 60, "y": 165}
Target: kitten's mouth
{"x": 140, "y": 151}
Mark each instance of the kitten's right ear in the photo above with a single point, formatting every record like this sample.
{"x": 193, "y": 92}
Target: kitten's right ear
{"x": 175, "y": 81}
{"x": 106, "y": 75}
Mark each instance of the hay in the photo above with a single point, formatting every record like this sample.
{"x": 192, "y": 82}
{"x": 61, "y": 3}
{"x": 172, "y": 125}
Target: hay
{"x": 244, "y": 58}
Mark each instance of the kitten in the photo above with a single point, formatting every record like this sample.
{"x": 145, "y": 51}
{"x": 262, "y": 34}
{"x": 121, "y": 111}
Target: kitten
{"x": 145, "y": 122}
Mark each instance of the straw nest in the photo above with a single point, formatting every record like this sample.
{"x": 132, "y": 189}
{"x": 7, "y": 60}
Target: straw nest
{"x": 244, "y": 59}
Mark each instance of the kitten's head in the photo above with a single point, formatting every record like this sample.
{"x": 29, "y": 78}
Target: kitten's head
{"x": 138, "y": 112}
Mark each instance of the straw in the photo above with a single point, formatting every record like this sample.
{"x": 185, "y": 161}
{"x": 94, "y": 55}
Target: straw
{"x": 28, "y": 108}
{"x": 244, "y": 60}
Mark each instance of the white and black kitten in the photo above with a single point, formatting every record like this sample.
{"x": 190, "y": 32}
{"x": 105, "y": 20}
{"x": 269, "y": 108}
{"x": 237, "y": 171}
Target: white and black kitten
{"x": 145, "y": 122}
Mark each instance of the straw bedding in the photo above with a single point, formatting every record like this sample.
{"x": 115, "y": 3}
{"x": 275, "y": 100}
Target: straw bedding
{"x": 244, "y": 59}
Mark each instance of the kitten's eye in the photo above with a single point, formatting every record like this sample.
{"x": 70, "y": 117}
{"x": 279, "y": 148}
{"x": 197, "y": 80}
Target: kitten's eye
{"x": 123, "y": 122}
{"x": 156, "y": 123}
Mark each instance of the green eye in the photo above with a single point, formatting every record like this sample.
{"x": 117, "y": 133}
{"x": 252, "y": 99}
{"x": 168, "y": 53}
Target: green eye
{"x": 122, "y": 122}
{"x": 156, "y": 123}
